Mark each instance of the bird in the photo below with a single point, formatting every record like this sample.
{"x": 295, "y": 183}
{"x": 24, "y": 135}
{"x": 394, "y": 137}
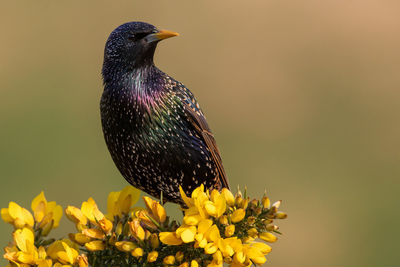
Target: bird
{"x": 153, "y": 126}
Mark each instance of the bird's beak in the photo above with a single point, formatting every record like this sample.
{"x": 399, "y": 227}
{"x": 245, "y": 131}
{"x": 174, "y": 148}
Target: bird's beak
{"x": 161, "y": 35}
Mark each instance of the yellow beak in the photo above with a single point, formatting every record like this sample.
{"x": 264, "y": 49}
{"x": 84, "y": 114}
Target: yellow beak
{"x": 164, "y": 34}
{"x": 161, "y": 35}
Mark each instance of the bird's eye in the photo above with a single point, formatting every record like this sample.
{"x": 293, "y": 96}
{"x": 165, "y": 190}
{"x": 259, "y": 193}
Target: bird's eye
{"x": 137, "y": 36}
{"x": 132, "y": 37}
{"x": 141, "y": 35}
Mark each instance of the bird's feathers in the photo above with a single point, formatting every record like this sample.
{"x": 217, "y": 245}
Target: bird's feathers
{"x": 198, "y": 120}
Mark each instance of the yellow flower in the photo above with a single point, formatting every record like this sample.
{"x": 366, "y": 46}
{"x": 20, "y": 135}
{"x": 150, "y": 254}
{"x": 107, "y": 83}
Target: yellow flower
{"x": 170, "y": 238}
{"x": 144, "y": 217}
{"x": 80, "y": 238}
{"x": 229, "y": 198}
{"x": 68, "y": 256}
{"x": 254, "y": 254}
{"x": 210, "y": 248}
{"x": 16, "y": 215}
{"x": 238, "y": 215}
{"x": 194, "y": 263}
{"x": 152, "y": 256}
{"x": 95, "y": 245}
{"x": 10, "y": 253}
{"x": 119, "y": 203}
{"x": 213, "y": 234}
{"x": 262, "y": 247}
{"x": 268, "y": 237}
{"x": 63, "y": 251}
{"x": 125, "y": 246}
{"x": 91, "y": 211}
{"x": 82, "y": 260}
{"x": 27, "y": 252}
{"x": 186, "y": 233}
{"x": 188, "y": 201}
{"x": 217, "y": 258}
{"x": 159, "y": 212}
{"x": 192, "y": 219}
{"x": 137, "y": 230}
{"x": 105, "y": 225}
{"x": 93, "y": 233}
{"x": 46, "y": 213}
{"x": 75, "y": 215}
{"x": 24, "y": 239}
{"x": 156, "y": 209}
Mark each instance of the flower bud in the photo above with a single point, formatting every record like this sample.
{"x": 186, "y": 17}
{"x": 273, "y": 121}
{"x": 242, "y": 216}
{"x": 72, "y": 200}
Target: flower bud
{"x": 252, "y": 232}
{"x": 268, "y": 237}
{"x": 254, "y": 203}
{"x": 95, "y": 245}
{"x": 229, "y": 230}
{"x": 125, "y": 246}
{"x": 244, "y": 203}
{"x": 266, "y": 202}
{"x": 194, "y": 263}
{"x": 152, "y": 256}
{"x": 118, "y": 229}
{"x": 137, "y": 230}
{"x": 271, "y": 227}
{"x": 169, "y": 260}
{"x": 267, "y": 221}
{"x": 238, "y": 215}
{"x": 251, "y": 220}
{"x": 238, "y": 201}
{"x": 155, "y": 243}
{"x": 280, "y": 215}
{"x": 258, "y": 211}
{"x": 137, "y": 252}
{"x": 179, "y": 256}
{"x": 223, "y": 220}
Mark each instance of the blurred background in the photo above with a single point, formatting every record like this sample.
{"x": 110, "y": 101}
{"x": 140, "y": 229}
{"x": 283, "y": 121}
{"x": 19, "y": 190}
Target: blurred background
{"x": 303, "y": 97}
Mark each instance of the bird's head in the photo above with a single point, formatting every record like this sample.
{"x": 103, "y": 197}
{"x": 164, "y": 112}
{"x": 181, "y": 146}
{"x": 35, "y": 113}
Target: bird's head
{"x": 133, "y": 44}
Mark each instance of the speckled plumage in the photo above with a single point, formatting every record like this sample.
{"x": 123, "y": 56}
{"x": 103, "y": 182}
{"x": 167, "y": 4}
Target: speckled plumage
{"x": 153, "y": 126}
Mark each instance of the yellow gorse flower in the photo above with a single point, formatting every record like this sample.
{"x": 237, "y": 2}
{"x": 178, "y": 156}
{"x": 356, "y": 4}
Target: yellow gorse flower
{"x": 16, "y": 215}
{"x": 199, "y": 226}
{"x": 120, "y": 203}
{"x": 46, "y": 214}
{"x": 220, "y": 226}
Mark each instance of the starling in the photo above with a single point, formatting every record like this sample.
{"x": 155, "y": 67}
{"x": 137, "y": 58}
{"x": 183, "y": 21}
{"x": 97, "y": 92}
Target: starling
{"x": 153, "y": 126}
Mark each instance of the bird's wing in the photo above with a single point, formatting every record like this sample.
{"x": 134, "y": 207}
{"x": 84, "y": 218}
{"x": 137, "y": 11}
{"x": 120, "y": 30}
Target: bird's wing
{"x": 199, "y": 122}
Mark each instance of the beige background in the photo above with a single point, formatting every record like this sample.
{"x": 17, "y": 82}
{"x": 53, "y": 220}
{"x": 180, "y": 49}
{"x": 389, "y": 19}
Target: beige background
{"x": 303, "y": 97}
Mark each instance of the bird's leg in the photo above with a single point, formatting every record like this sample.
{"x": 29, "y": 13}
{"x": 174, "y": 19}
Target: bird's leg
{"x": 161, "y": 198}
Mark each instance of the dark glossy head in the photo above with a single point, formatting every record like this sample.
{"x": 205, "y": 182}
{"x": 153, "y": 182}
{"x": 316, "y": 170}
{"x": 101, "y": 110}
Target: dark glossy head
{"x": 133, "y": 44}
